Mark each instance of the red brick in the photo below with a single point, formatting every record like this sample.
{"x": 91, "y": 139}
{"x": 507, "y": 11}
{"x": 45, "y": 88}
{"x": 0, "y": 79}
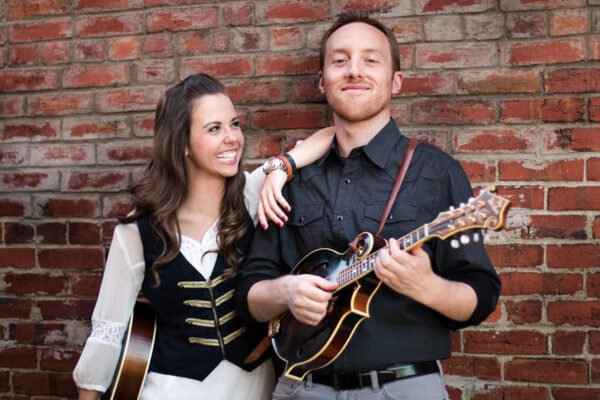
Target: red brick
{"x": 59, "y": 104}
{"x": 66, "y": 309}
{"x": 131, "y": 153}
{"x": 124, "y": 24}
{"x": 157, "y": 45}
{"x": 546, "y": 371}
{"x": 58, "y": 359}
{"x": 526, "y": 25}
{"x": 155, "y": 71}
{"x": 34, "y": 283}
{"x": 554, "y": 226}
{"x": 287, "y": 38}
{"x": 479, "y": 171}
{"x": 561, "y": 170}
{"x": 44, "y": 383}
{"x": 545, "y": 52}
{"x": 443, "y": 28}
{"x": 499, "y": 342}
{"x": 596, "y": 228}
{"x": 29, "y": 80}
{"x": 561, "y": 109}
{"x": 528, "y": 283}
{"x": 499, "y": 81}
{"x": 456, "y": 55}
{"x": 4, "y": 381}
{"x": 48, "y": 29}
{"x": 17, "y": 257}
{"x": 86, "y": 284}
{"x": 484, "y": 26}
{"x": 20, "y": 9}
{"x": 287, "y": 65}
{"x": 574, "y": 198}
{"x": 519, "y": 5}
{"x": 401, "y": 113}
{"x": 571, "y": 393}
{"x": 208, "y": 41}
{"x": 18, "y": 357}
{"x": 116, "y": 206}
{"x": 292, "y": 11}
{"x": 453, "y": 112}
{"x": 575, "y": 313}
{"x": 453, "y": 6}
{"x": 428, "y": 84}
{"x": 52, "y": 233}
{"x": 405, "y": 29}
{"x": 594, "y": 109}
{"x": 84, "y": 233}
{"x": 573, "y": 256}
{"x": 495, "y": 140}
{"x": 257, "y": 92}
{"x": 594, "y": 47}
{"x": 51, "y": 334}
{"x": 572, "y": 139}
{"x": 71, "y": 258}
{"x": 219, "y": 66}
{"x": 23, "y": 54}
{"x": 524, "y": 312}
{"x": 568, "y": 343}
{"x": 18, "y": 233}
{"x": 128, "y": 99}
{"x": 124, "y": 48}
{"x": 524, "y": 196}
{"x": 54, "y": 52}
{"x": 407, "y": 57}
{"x": 182, "y": 19}
{"x": 108, "y": 5}
{"x": 94, "y": 180}
{"x": 80, "y": 207}
{"x": 289, "y": 117}
{"x": 13, "y": 156}
{"x": 143, "y": 125}
{"x": 569, "y": 22}
{"x": 91, "y": 75}
{"x": 64, "y": 154}
{"x": 237, "y": 14}
{"x": 29, "y": 181}
{"x": 516, "y": 256}
{"x": 108, "y": 229}
{"x": 14, "y": 206}
{"x": 89, "y": 50}
{"x": 572, "y": 80}
{"x": 481, "y": 367}
{"x": 15, "y": 308}
{"x": 12, "y": 106}
{"x": 96, "y": 127}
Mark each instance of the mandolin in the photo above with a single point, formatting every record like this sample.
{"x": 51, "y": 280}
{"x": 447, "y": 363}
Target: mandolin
{"x": 307, "y": 348}
{"x": 135, "y": 355}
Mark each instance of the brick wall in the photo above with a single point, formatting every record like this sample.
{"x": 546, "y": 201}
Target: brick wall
{"x": 510, "y": 87}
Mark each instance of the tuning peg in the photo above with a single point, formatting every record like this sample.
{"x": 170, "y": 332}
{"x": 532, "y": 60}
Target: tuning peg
{"x": 476, "y": 237}
{"x": 462, "y": 204}
{"x": 471, "y": 200}
{"x": 454, "y": 244}
{"x": 465, "y": 239}
{"x": 451, "y": 208}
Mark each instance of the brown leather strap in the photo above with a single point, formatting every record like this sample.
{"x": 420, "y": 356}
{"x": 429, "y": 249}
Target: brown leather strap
{"x": 408, "y": 153}
{"x": 258, "y": 350}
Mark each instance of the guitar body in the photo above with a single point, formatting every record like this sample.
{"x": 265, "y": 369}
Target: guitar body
{"x": 135, "y": 356}
{"x": 306, "y": 348}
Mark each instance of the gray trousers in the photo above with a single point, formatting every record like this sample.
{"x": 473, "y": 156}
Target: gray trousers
{"x": 424, "y": 387}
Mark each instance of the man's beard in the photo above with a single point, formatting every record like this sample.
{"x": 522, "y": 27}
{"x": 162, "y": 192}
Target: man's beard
{"x": 358, "y": 111}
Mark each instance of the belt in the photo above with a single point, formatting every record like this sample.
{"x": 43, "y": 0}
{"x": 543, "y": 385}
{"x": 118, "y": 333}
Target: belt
{"x": 357, "y": 380}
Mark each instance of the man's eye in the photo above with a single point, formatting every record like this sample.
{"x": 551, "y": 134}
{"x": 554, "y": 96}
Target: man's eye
{"x": 372, "y": 61}
{"x": 339, "y": 60}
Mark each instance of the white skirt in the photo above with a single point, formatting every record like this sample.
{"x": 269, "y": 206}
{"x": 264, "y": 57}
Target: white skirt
{"x": 226, "y": 382}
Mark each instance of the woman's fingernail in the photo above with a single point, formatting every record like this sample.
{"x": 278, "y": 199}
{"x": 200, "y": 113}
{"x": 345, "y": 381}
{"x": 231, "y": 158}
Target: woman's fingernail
{"x": 264, "y": 226}
{"x": 285, "y": 218}
{"x": 287, "y": 209}
{"x": 280, "y": 224}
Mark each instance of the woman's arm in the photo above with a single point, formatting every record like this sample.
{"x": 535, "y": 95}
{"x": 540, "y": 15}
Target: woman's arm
{"x": 270, "y": 198}
{"x": 85, "y": 394}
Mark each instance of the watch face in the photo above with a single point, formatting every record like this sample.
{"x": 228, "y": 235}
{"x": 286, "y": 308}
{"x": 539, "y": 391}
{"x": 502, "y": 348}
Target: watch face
{"x": 271, "y": 165}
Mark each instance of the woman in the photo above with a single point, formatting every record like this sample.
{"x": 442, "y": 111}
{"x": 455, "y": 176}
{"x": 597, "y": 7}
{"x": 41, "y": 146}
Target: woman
{"x": 193, "y": 214}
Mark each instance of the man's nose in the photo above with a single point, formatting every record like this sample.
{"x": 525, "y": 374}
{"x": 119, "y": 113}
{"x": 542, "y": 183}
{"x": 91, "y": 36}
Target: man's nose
{"x": 354, "y": 69}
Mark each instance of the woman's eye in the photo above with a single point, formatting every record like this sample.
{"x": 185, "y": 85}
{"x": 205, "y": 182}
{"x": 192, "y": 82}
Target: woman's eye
{"x": 236, "y": 124}
{"x": 214, "y": 128}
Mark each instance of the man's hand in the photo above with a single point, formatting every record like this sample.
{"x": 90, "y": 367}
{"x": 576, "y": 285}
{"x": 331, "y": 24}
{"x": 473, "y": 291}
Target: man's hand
{"x": 308, "y": 297}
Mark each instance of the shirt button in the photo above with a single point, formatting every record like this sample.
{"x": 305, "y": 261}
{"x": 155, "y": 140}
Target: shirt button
{"x": 301, "y": 220}
{"x": 347, "y": 180}
{"x": 340, "y": 218}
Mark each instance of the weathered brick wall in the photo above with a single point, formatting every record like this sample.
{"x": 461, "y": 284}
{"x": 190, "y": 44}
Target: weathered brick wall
{"x": 510, "y": 87}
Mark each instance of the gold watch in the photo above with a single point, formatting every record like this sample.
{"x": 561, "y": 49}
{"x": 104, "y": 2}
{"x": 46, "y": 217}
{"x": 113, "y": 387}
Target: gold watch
{"x": 272, "y": 164}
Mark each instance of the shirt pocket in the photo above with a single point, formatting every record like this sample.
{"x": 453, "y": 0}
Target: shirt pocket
{"x": 306, "y": 222}
{"x": 401, "y": 219}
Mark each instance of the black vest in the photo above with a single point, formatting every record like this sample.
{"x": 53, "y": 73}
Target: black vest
{"x": 197, "y": 325}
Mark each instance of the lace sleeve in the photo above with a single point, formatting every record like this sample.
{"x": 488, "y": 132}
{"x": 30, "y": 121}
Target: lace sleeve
{"x": 121, "y": 283}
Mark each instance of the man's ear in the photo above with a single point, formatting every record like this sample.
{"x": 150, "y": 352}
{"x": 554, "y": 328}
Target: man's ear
{"x": 397, "y": 82}
{"x": 321, "y": 85}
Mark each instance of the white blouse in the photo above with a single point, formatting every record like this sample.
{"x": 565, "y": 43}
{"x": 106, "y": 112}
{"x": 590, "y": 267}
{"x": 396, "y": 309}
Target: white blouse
{"x": 121, "y": 283}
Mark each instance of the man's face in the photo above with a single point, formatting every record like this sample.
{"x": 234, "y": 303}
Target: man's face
{"x": 357, "y": 76}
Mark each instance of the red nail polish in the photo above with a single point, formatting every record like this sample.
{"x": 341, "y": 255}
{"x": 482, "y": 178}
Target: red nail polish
{"x": 280, "y": 224}
{"x": 264, "y": 226}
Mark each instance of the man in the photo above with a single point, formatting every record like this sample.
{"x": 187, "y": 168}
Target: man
{"x": 426, "y": 292}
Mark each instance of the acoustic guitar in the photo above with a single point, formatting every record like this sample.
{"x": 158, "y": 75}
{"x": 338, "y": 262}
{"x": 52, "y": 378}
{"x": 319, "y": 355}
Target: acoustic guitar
{"x": 307, "y": 348}
{"x": 135, "y": 357}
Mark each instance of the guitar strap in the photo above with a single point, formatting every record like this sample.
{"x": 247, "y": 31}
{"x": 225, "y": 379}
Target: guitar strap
{"x": 408, "y": 153}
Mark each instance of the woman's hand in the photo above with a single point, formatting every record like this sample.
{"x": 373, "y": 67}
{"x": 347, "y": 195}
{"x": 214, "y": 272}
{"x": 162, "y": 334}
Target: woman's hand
{"x": 270, "y": 200}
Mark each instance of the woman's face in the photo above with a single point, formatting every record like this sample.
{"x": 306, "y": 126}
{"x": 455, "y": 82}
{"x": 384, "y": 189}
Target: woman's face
{"x": 216, "y": 138}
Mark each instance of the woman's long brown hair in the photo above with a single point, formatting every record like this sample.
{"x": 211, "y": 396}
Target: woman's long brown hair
{"x": 163, "y": 186}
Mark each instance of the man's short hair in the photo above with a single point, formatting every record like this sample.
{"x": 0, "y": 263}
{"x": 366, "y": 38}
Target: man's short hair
{"x": 349, "y": 17}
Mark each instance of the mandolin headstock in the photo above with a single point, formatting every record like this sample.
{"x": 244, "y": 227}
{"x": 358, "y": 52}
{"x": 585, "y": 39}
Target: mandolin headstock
{"x": 486, "y": 211}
